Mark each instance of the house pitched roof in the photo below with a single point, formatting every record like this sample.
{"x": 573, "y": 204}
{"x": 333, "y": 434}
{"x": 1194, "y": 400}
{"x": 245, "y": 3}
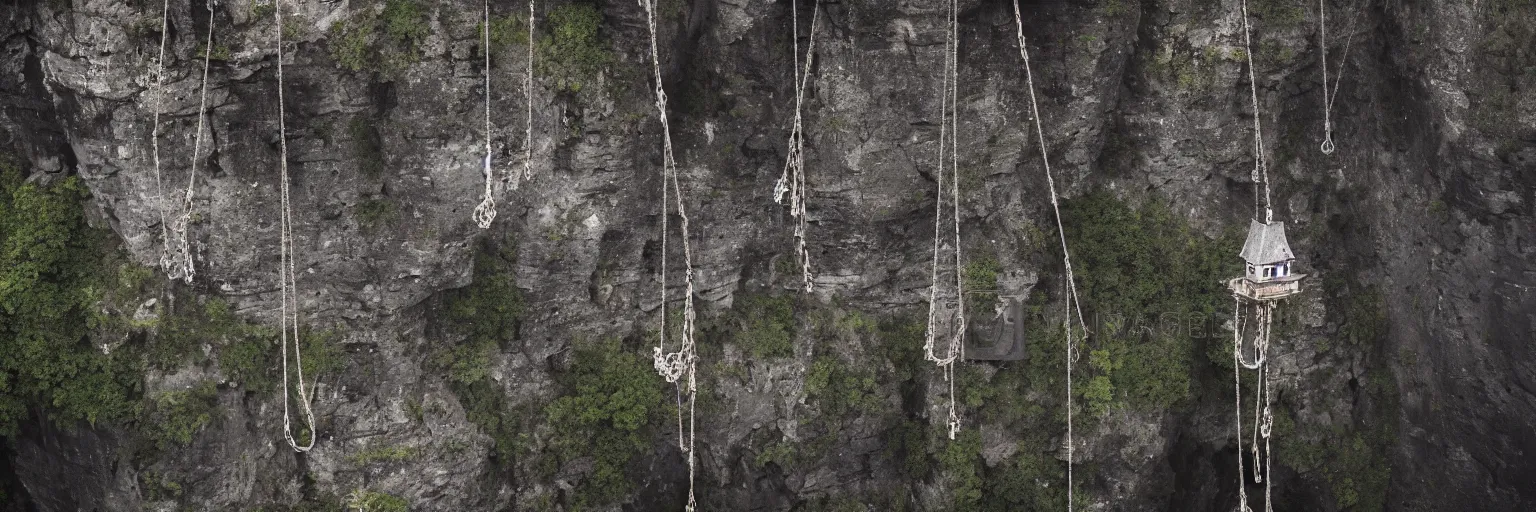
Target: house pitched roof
{"x": 1266, "y": 244}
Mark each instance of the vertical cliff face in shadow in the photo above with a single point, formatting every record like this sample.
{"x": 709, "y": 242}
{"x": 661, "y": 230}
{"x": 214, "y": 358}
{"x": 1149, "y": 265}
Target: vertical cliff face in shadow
{"x": 508, "y": 369}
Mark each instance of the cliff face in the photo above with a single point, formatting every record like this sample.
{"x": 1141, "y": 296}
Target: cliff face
{"x": 508, "y": 368}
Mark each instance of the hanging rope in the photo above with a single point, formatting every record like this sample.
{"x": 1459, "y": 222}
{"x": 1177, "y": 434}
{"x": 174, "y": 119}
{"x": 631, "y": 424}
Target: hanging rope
{"x": 168, "y": 261}
{"x": 181, "y": 262}
{"x": 681, "y": 364}
{"x": 792, "y": 182}
{"x": 1330, "y": 97}
{"x": 286, "y": 273}
{"x": 1260, "y": 166}
{"x": 485, "y": 212}
{"x": 948, "y": 146}
{"x": 1071, "y": 285}
{"x": 1263, "y": 310}
{"x": 528, "y": 93}
{"x": 1237, "y": 408}
{"x": 1263, "y": 416}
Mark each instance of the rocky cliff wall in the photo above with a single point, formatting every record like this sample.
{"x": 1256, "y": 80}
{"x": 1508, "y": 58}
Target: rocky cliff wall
{"x": 505, "y": 369}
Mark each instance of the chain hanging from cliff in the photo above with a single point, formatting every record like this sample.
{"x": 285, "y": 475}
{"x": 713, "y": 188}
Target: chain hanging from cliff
{"x": 792, "y": 182}
{"x": 289, "y": 324}
{"x": 485, "y": 212}
{"x": 1260, "y": 173}
{"x": 1073, "y": 304}
{"x": 1329, "y": 97}
{"x": 948, "y": 147}
{"x": 680, "y": 365}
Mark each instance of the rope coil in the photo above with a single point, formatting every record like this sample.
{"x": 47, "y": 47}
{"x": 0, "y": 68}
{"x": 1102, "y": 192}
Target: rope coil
{"x": 792, "y": 182}
{"x": 679, "y": 365}
{"x": 1073, "y": 304}
{"x": 289, "y": 323}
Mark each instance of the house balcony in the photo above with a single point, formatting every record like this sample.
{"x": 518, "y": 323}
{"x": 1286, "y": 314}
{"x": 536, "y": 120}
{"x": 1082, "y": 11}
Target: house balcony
{"x": 1266, "y": 290}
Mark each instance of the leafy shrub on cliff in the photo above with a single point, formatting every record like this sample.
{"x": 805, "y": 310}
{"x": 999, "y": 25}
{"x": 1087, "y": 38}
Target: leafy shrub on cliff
{"x": 175, "y": 416}
{"x": 386, "y": 40}
{"x": 612, "y": 400}
{"x": 1153, "y": 289}
{"x": 51, "y": 275}
{"x": 574, "y": 52}
{"x": 765, "y": 326}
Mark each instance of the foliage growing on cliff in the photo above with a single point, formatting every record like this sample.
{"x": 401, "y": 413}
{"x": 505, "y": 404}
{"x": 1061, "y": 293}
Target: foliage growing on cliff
{"x": 765, "y": 326}
{"x": 980, "y": 277}
{"x": 574, "y": 52}
{"x": 50, "y": 279}
{"x": 373, "y": 501}
{"x": 611, "y": 402}
{"x": 839, "y": 389}
{"x": 486, "y": 315}
{"x": 1152, "y": 288}
{"x": 385, "y": 40}
{"x": 175, "y": 416}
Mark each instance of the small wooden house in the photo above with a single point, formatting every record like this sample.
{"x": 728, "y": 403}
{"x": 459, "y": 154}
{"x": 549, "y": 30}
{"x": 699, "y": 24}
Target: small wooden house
{"x": 1269, "y": 263}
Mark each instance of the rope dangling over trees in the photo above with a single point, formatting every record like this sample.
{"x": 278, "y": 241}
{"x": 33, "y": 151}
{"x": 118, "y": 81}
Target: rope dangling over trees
{"x": 792, "y": 182}
{"x": 948, "y": 147}
{"x": 485, "y": 212}
{"x": 680, "y": 365}
{"x": 1329, "y": 97}
{"x": 1073, "y": 305}
{"x": 289, "y": 325}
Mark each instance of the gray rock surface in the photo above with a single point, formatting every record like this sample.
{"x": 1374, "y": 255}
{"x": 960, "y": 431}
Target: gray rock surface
{"x": 1428, "y": 200}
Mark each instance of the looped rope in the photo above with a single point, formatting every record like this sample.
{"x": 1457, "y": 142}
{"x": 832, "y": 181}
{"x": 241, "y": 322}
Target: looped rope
{"x": 1329, "y": 97}
{"x": 176, "y": 247}
{"x": 792, "y": 181}
{"x": 949, "y": 114}
{"x": 1263, "y": 414}
{"x": 166, "y": 260}
{"x": 289, "y": 323}
{"x": 485, "y": 212}
{"x": 682, "y": 363}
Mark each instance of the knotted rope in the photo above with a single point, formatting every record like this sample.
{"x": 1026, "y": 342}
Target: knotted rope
{"x": 680, "y": 364}
{"x": 948, "y": 147}
{"x": 792, "y": 182}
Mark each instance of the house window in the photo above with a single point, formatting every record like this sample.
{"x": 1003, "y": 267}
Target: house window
{"x": 1283, "y": 270}
{"x": 1250, "y": 269}
{"x": 1269, "y": 271}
